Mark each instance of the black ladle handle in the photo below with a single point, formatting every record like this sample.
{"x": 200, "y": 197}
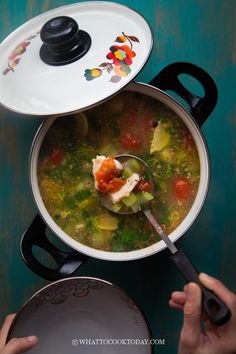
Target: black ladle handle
{"x": 216, "y": 310}
{"x": 35, "y": 235}
{"x": 200, "y": 107}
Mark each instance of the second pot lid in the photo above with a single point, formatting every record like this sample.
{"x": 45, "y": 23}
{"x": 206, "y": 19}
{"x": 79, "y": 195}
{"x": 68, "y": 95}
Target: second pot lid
{"x": 73, "y": 69}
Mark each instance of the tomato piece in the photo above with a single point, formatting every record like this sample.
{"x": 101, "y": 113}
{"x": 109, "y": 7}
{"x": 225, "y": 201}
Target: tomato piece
{"x": 107, "y": 171}
{"x": 130, "y": 141}
{"x": 143, "y": 186}
{"x": 102, "y": 186}
{"x": 135, "y": 128}
{"x": 115, "y": 185}
{"x": 182, "y": 189}
{"x": 107, "y": 177}
{"x": 56, "y": 156}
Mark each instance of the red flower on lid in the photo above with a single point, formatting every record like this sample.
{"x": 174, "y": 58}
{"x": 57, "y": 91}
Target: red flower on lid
{"x": 121, "y": 57}
{"x": 121, "y": 54}
{"x": 15, "y": 57}
{"x": 20, "y": 49}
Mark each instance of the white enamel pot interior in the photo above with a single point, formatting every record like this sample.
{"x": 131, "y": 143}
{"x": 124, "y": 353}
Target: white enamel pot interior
{"x": 185, "y": 224}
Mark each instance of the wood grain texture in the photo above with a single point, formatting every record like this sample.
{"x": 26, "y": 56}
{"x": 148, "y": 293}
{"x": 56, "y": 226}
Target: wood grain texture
{"x": 202, "y": 32}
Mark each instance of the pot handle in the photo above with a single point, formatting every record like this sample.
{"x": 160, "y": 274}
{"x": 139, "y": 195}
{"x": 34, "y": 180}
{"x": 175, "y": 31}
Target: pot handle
{"x": 35, "y": 235}
{"x": 200, "y": 107}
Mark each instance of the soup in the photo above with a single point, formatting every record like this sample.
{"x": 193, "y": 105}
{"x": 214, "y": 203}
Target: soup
{"x": 129, "y": 123}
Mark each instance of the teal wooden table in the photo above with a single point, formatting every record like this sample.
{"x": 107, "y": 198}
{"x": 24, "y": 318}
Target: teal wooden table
{"x": 199, "y": 31}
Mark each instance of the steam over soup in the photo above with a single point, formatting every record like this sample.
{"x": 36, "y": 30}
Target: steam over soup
{"x": 129, "y": 123}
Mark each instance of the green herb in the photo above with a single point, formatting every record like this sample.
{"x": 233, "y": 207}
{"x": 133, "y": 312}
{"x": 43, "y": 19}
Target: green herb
{"x": 82, "y": 195}
{"x": 86, "y": 152}
{"x": 163, "y": 170}
{"x": 127, "y": 240}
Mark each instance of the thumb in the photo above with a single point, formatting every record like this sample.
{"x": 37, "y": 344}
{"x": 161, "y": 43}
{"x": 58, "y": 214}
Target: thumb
{"x": 192, "y": 315}
{"x": 218, "y": 288}
{"x": 20, "y": 345}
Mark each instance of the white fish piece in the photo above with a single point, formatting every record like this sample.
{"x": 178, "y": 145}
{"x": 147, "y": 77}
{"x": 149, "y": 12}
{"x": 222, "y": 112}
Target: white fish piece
{"x": 118, "y": 165}
{"x": 98, "y": 162}
{"x": 126, "y": 189}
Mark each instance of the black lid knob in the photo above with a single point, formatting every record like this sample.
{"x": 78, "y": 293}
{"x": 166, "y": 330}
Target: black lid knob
{"x": 59, "y": 30}
{"x": 63, "y": 42}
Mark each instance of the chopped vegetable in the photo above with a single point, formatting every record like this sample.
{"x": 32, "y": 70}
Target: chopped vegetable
{"x": 116, "y": 207}
{"x": 106, "y": 221}
{"x": 182, "y": 189}
{"x": 56, "y": 156}
{"x": 132, "y": 166}
{"x": 100, "y": 239}
{"x": 143, "y": 185}
{"x": 81, "y": 195}
{"x": 161, "y": 138}
{"x": 145, "y": 197}
{"x": 132, "y": 202}
{"x": 128, "y": 238}
{"x": 130, "y": 141}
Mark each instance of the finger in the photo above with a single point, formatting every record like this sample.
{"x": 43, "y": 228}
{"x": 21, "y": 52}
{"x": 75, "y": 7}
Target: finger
{"x": 175, "y": 305}
{"x": 192, "y": 315}
{"x": 5, "y": 329}
{"x": 209, "y": 327}
{"x": 218, "y": 288}
{"x": 179, "y": 297}
{"x": 20, "y": 345}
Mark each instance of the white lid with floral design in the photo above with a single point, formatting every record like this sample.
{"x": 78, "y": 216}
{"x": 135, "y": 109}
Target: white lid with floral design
{"x": 65, "y": 69}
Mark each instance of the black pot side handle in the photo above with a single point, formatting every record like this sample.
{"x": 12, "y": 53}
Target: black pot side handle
{"x": 200, "y": 107}
{"x": 35, "y": 235}
{"x": 215, "y": 309}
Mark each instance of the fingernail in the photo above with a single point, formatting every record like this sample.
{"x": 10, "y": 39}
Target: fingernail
{"x": 191, "y": 289}
{"x": 31, "y": 338}
{"x": 206, "y": 276}
{"x": 178, "y": 293}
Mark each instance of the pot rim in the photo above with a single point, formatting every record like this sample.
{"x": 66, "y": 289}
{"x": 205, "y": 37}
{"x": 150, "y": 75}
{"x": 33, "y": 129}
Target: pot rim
{"x": 189, "y": 219}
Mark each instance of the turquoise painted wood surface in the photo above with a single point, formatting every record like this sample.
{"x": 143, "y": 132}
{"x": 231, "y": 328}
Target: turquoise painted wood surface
{"x": 201, "y": 32}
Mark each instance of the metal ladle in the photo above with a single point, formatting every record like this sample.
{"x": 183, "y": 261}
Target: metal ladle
{"x": 215, "y": 309}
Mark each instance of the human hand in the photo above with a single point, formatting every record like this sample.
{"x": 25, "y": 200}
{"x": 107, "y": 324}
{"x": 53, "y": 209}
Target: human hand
{"x": 15, "y": 345}
{"x": 212, "y": 339}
